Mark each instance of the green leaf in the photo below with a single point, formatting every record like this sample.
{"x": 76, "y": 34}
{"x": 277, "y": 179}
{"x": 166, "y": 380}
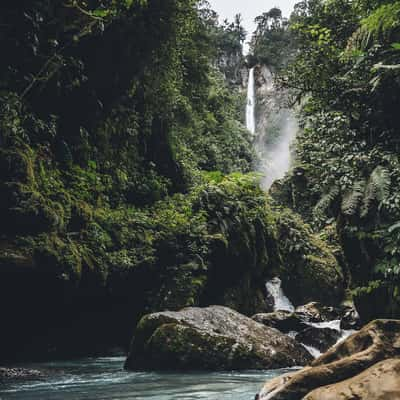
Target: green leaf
{"x": 101, "y": 13}
{"x": 394, "y": 227}
{"x": 396, "y": 46}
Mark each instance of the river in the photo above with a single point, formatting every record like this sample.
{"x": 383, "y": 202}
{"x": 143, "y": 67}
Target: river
{"x": 104, "y": 378}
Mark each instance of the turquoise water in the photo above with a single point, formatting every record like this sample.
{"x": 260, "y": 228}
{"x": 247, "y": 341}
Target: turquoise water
{"x": 104, "y": 378}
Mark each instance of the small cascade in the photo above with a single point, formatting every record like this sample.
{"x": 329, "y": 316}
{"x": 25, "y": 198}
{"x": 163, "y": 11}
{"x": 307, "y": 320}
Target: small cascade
{"x": 312, "y": 350}
{"x": 281, "y": 302}
{"x": 334, "y": 324}
{"x": 250, "y": 116}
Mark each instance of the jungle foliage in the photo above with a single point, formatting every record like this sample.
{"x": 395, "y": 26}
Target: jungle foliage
{"x": 346, "y": 76}
{"x": 111, "y": 113}
{"x": 272, "y": 43}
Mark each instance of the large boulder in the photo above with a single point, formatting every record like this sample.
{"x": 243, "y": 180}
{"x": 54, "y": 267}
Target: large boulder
{"x": 212, "y": 338}
{"x": 379, "y": 382}
{"x": 377, "y": 341}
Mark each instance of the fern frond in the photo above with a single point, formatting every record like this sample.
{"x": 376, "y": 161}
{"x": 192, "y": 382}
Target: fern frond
{"x": 377, "y": 189}
{"x": 326, "y": 200}
{"x": 379, "y": 25}
{"x": 352, "y": 198}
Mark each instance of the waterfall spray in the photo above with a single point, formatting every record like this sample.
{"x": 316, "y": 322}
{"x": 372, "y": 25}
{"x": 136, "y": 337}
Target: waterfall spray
{"x": 250, "y": 117}
{"x": 276, "y": 127}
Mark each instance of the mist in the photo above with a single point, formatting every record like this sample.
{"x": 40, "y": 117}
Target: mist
{"x": 274, "y": 159}
{"x": 273, "y": 125}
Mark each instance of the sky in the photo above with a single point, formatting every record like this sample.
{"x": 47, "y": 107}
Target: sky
{"x": 250, "y": 9}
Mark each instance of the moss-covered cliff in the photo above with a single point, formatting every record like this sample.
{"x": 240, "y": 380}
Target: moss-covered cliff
{"x": 123, "y": 181}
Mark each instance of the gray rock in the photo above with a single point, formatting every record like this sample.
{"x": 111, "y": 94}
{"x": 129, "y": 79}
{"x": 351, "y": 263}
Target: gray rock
{"x": 317, "y": 312}
{"x": 284, "y": 321}
{"x": 212, "y": 338}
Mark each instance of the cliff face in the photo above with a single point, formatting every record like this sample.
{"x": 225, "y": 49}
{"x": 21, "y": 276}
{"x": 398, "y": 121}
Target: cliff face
{"x": 232, "y": 65}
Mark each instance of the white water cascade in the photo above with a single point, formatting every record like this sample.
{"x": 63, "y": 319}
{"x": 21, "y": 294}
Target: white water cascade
{"x": 281, "y": 302}
{"x": 250, "y": 114}
{"x": 275, "y": 127}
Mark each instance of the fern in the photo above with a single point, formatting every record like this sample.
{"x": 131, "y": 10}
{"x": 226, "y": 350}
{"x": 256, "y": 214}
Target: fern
{"x": 325, "y": 202}
{"x": 378, "y": 26}
{"x": 383, "y": 21}
{"x": 352, "y": 199}
{"x": 377, "y": 189}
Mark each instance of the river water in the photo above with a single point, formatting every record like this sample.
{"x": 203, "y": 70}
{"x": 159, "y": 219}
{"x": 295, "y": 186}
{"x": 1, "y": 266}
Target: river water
{"x": 103, "y": 378}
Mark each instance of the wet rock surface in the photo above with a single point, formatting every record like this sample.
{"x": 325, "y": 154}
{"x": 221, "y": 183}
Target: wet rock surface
{"x": 316, "y": 312}
{"x": 313, "y": 325}
{"x": 319, "y": 338}
{"x": 354, "y": 361}
{"x": 7, "y": 374}
{"x": 284, "y": 321}
{"x": 350, "y": 319}
{"x": 212, "y": 338}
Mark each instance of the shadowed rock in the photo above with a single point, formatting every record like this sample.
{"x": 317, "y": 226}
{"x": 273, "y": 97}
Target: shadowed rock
{"x": 316, "y": 312}
{"x": 319, "y": 338}
{"x": 284, "y": 321}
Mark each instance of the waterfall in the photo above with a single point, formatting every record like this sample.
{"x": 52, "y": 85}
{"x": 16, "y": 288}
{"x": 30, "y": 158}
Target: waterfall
{"x": 250, "y": 116}
{"x": 276, "y": 126}
{"x": 281, "y": 302}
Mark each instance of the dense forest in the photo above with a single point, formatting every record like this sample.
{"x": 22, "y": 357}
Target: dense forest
{"x": 114, "y": 153}
{"x": 128, "y": 178}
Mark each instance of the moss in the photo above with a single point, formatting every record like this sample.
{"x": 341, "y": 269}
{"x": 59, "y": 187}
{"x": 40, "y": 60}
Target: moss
{"x": 57, "y": 258}
{"x": 81, "y": 215}
{"x": 310, "y": 270}
{"x": 186, "y": 347}
{"x": 26, "y": 211}
{"x": 17, "y": 165}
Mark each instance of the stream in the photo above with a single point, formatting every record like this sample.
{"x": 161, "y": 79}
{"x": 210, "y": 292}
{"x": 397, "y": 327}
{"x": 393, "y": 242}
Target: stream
{"x": 104, "y": 378}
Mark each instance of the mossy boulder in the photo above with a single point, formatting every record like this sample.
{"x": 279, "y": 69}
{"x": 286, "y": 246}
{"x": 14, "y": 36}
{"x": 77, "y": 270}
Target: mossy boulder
{"x": 212, "y": 338}
{"x": 310, "y": 271}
